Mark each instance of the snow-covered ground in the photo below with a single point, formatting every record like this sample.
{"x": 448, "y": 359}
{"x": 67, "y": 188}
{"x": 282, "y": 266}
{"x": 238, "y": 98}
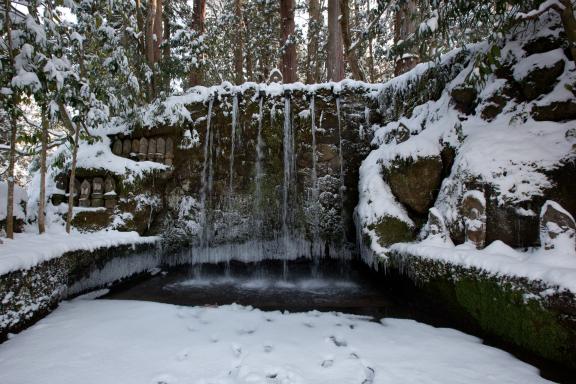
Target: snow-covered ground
{"x": 87, "y": 341}
{"x": 27, "y": 249}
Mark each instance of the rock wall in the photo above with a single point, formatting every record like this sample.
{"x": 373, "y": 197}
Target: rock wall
{"x": 257, "y": 172}
{"x": 496, "y": 120}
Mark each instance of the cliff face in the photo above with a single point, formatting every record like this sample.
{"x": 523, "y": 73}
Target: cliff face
{"x": 250, "y": 172}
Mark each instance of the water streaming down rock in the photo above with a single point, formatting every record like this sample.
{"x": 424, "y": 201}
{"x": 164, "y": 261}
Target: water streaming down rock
{"x": 288, "y": 155}
{"x": 258, "y": 207}
{"x": 314, "y": 196}
{"x": 313, "y": 204}
{"x": 203, "y": 251}
{"x": 341, "y": 161}
{"x": 232, "y": 144}
{"x": 259, "y": 175}
{"x": 231, "y": 197}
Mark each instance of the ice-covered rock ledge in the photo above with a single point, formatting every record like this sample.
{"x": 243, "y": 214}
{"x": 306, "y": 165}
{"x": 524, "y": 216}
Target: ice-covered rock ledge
{"x": 526, "y": 298}
{"x": 37, "y": 271}
{"x": 27, "y": 250}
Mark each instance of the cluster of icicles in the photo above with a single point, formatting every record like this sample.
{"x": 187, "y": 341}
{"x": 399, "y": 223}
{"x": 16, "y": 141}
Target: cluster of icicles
{"x": 288, "y": 245}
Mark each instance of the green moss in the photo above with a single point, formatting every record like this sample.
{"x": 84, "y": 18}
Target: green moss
{"x": 92, "y": 220}
{"x": 509, "y": 307}
{"x": 503, "y": 311}
{"x": 392, "y": 230}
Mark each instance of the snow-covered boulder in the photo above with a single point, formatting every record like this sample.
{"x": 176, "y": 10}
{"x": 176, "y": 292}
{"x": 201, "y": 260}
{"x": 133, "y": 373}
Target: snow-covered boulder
{"x": 538, "y": 73}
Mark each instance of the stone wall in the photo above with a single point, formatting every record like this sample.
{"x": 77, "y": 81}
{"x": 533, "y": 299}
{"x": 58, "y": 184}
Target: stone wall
{"x": 251, "y": 176}
{"x": 28, "y": 295}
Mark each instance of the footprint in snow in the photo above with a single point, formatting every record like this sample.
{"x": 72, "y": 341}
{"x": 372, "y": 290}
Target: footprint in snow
{"x": 268, "y": 348}
{"x": 236, "y": 350}
{"x": 164, "y": 379}
{"x": 214, "y": 338}
{"x": 339, "y": 342}
{"x": 183, "y": 355}
{"x": 369, "y": 373}
{"x": 309, "y": 325}
{"x": 327, "y": 363}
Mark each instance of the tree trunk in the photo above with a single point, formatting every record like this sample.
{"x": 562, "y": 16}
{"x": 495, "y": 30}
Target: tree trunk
{"x": 199, "y": 16}
{"x": 10, "y": 195}
{"x": 73, "y": 128}
{"x": 239, "y": 44}
{"x": 13, "y": 132}
{"x": 165, "y": 78}
{"x": 198, "y": 24}
{"x": 153, "y": 40}
{"x": 140, "y": 23}
{"x": 335, "y": 61}
{"x": 289, "y": 60}
{"x": 158, "y": 30}
{"x": 569, "y": 23}
{"x": 42, "y": 199}
{"x": 314, "y": 25}
{"x": 167, "y": 35}
{"x": 370, "y": 52}
{"x": 350, "y": 54}
{"x": 404, "y": 27}
{"x": 149, "y": 41}
{"x": 249, "y": 58}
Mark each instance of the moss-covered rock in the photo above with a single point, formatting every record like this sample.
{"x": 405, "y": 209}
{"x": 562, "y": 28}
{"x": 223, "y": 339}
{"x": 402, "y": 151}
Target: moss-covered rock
{"x": 392, "y": 230}
{"x": 92, "y": 220}
{"x": 415, "y": 182}
{"x": 527, "y": 313}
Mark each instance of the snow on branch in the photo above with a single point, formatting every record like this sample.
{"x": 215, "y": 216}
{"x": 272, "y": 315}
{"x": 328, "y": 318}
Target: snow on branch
{"x": 543, "y": 8}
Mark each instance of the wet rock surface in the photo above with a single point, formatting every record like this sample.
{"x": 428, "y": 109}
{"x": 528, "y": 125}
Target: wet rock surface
{"x": 415, "y": 183}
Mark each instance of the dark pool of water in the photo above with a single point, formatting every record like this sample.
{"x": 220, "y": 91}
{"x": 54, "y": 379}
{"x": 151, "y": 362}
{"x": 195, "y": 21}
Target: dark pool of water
{"x": 303, "y": 286}
{"x": 327, "y": 287}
